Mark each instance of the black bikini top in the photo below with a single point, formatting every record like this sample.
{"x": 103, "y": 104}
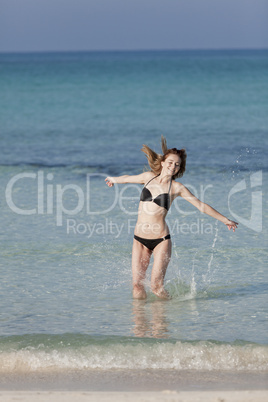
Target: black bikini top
{"x": 163, "y": 200}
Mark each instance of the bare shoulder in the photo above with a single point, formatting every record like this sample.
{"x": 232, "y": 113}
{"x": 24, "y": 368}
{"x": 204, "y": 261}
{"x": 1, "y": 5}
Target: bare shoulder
{"x": 147, "y": 176}
{"x": 177, "y": 188}
{"x": 141, "y": 178}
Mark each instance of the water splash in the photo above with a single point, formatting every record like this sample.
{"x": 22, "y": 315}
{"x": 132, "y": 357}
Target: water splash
{"x": 178, "y": 289}
{"x": 246, "y": 160}
{"x": 208, "y": 276}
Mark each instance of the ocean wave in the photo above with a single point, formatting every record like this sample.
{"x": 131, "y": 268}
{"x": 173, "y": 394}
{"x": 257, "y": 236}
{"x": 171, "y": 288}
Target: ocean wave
{"x": 76, "y": 168}
{"x": 30, "y": 353}
{"x": 112, "y": 169}
{"x": 55, "y": 165}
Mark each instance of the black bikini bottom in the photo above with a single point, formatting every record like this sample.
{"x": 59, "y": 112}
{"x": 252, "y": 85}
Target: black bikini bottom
{"x": 151, "y": 243}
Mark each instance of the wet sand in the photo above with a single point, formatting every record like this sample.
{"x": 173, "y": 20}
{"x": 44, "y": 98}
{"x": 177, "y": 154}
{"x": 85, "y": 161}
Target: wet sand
{"x": 134, "y": 385}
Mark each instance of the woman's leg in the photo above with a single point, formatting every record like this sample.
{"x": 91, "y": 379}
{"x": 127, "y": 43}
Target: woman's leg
{"x": 140, "y": 261}
{"x": 162, "y": 255}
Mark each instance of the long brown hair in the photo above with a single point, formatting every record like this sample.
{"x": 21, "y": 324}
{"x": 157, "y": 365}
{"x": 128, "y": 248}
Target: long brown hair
{"x": 155, "y": 159}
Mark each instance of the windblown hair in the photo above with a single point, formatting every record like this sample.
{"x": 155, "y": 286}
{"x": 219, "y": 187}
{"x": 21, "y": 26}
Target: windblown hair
{"x": 155, "y": 159}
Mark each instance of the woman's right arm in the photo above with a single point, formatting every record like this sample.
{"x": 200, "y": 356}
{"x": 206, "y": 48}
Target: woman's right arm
{"x": 137, "y": 179}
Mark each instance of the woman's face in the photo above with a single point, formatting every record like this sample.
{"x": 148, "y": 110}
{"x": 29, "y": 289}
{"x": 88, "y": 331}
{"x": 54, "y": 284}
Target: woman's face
{"x": 171, "y": 165}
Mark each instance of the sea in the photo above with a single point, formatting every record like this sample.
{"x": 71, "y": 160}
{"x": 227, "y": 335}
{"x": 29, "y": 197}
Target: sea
{"x": 69, "y": 120}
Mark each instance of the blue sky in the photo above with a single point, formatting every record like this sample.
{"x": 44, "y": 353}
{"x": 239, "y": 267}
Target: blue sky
{"x": 51, "y": 25}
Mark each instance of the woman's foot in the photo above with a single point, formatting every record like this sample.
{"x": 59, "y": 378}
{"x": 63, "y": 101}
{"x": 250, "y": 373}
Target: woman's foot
{"x": 139, "y": 292}
{"x": 162, "y": 294}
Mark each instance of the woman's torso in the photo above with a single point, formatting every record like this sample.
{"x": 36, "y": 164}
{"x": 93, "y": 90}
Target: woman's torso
{"x": 153, "y": 209}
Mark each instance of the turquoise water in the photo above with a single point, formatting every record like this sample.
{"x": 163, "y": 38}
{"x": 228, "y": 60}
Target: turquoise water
{"x": 68, "y": 120}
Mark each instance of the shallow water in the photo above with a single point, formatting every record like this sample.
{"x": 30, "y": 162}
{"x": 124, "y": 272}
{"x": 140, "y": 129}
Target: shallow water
{"x": 71, "y": 120}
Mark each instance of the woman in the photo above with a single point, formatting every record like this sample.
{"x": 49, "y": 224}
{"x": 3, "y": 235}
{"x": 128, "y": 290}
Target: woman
{"x": 151, "y": 235}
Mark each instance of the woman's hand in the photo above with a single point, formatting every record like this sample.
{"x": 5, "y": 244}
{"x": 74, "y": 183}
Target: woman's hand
{"x": 109, "y": 181}
{"x": 231, "y": 225}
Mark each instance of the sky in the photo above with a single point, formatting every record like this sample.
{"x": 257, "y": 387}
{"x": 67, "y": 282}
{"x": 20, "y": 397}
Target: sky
{"x": 81, "y": 25}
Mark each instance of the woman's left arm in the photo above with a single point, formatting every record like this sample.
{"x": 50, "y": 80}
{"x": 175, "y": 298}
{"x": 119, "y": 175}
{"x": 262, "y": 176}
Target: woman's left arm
{"x": 203, "y": 207}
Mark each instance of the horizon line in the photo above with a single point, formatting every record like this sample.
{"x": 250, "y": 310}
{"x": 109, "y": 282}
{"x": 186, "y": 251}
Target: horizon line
{"x": 134, "y": 50}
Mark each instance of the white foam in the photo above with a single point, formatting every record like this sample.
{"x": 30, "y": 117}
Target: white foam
{"x": 143, "y": 355}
